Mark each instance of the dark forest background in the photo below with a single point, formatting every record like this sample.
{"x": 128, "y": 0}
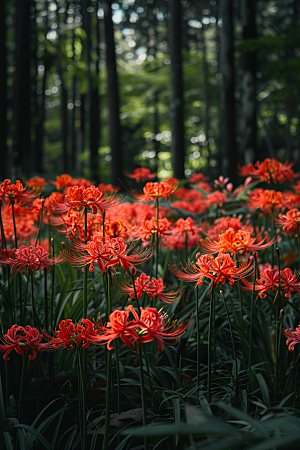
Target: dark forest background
{"x": 95, "y": 88}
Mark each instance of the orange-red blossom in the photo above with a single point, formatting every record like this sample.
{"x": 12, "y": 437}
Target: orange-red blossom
{"x": 32, "y": 257}
{"x": 153, "y": 191}
{"x": 234, "y": 242}
{"x": 106, "y": 253}
{"x": 217, "y": 269}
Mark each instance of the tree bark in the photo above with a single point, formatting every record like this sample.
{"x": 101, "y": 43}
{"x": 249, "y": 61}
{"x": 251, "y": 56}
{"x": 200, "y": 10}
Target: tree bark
{"x": 176, "y": 105}
{"x": 21, "y": 112}
{"x": 3, "y": 94}
{"x": 113, "y": 97}
{"x": 227, "y": 100}
{"x": 249, "y": 83}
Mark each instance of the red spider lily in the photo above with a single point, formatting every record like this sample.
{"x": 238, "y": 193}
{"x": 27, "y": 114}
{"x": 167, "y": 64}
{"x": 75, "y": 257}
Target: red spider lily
{"x": 272, "y": 279}
{"x": 149, "y": 227}
{"x": 234, "y": 242}
{"x": 293, "y": 337}
{"x": 156, "y": 190}
{"x": 115, "y": 229}
{"x": 141, "y": 174}
{"x": 79, "y": 197}
{"x": 218, "y": 270}
{"x": 290, "y": 220}
{"x": 17, "y": 192}
{"x": 21, "y": 339}
{"x": 119, "y": 327}
{"x": 267, "y": 200}
{"x": 269, "y": 279}
{"x": 108, "y": 188}
{"x": 197, "y": 177}
{"x": 106, "y": 252}
{"x": 289, "y": 281}
{"x": 69, "y": 333}
{"x": 155, "y": 325}
{"x": 153, "y": 288}
{"x": 32, "y": 257}
{"x": 65, "y": 180}
{"x": 222, "y": 224}
{"x": 36, "y": 181}
{"x": 270, "y": 170}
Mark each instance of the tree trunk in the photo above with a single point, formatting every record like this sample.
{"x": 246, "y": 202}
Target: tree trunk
{"x": 113, "y": 97}
{"x": 21, "y": 112}
{"x": 207, "y": 97}
{"x": 227, "y": 101}
{"x": 94, "y": 108}
{"x": 249, "y": 83}
{"x": 176, "y": 106}
{"x": 3, "y": 94}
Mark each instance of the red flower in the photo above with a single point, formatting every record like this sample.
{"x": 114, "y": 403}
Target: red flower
{"x": 290, "y": 220}
{"x": 218, "y": 270}
{"x": 141, "y": 174}
{"x": 234, "y": 242}
{"x": 21, "y": 339}
{"x": 79, "y": 197}
{"x": 17, "y": 191}
{"x": 270, "y": 170}
{"x": 68, "y": 334}
{"x": 153, "y": 288}
{"x": 106, "y": 252}
{"x": 156, "y": 190}
{"x": 293, "y": 337}
{"x": 32, "y": 257}
{"x": 155, "y": 325}
{"x": 289, "y": 281}
{"x": 269, "y": 279}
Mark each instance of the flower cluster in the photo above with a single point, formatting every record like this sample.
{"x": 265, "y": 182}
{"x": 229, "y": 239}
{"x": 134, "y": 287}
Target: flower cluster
{"x": 272, "y": 279}
{"x": 269, "y": 170}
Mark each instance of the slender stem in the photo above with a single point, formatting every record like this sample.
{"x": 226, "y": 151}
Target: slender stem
{"x": 277, "y": 331}
{"x": 46, "y": 300}
{"x": 21, "y": 391}
{"x": 32, "y": 300}
{"x": 135, "y": 295}
{"x": 157, "y": 237}
{"x": 198, "y": 336}
{"x": 108, "y": 373}
{"x": 235, "y": 372}
{"x": 118, "y": 379}
{"x": 40, "y": 223}
{"x": 251, "y": 314}
{"x": 108, "y": 399}
{"x": 14, "y": 221}
{"x": 143, "y": 394}
{"x": 52, "y": 293}
{"x": 185, "y": 245}
{"x": 82, "y": 402}
{"x": 84, "y": 351}
{"x": 209, "y": 345}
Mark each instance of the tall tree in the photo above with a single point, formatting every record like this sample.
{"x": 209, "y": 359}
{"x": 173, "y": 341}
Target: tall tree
{"x": 176, "y": 105}
{"x": 112, "y": 96}
{"x": 3, "y": 94}
{"x": 249, "y": 82}
{"x": 227, "y": 101}
{"x": 21, "y": 112}
{"x": 94, "y": 102}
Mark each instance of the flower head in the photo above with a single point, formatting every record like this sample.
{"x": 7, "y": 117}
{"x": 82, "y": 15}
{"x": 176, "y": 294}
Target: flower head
{"x": 82, "y": 333}
{"x": 141, "y": 174}
{"x": 33, "y": 257}
{"x": 21, "y": 339}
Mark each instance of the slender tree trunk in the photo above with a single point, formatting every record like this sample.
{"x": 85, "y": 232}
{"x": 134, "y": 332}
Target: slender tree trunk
{"x": 21, "y": 112}
{"x": 94, "y": 108}
{"x": 113, "y": 97}
{"x": 3, "y": 94}
{"x": 73, "y": 129}
{"x": 249, "y": 83}
{"x": 206, "y": 91}
{"x": 227, "y": 101}
{"x": 176, "y": 106}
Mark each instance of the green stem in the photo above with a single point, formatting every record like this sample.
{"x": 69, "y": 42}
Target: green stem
{"x": 142, "y": 380}
{"x": 32, "y": 300}
{"x": 118, "y": 379}
{"x": 46, "y": 300}
{"x": 108, "y": 399}
{"x": 251, "y": 315}
{"x": 82, "y": 402}
{"x": 21, "y": 391}
{"x": 277, "y": 331}
{"x": 108, "y": 373}
{"x": 157, "y": 238}
{"x": 298, "y": 244}
{"x": 135, "y": 295}
{"x": 235, "y": 371}
{"x": 40, "y": 223}
{"x": 3, "y": 240}
{"x": 198, "y": 336}
{"x": 209, "y": 345}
